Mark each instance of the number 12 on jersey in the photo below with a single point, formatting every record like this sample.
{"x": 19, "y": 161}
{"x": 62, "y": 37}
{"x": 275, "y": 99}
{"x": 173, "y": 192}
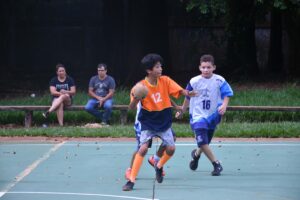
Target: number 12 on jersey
{"x": 156, "y": 97}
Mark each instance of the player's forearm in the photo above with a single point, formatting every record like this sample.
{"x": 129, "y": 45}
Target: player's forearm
{"x": 132, "y": 105}
{"x": 226, "y": 101}
{"x": 184, "y": 92}
{"x": 175, "y": 105}
{"x": 185, "y": 104}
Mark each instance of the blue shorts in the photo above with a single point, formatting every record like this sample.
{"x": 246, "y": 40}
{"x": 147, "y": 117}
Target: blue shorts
{"x": 203, "y": 136}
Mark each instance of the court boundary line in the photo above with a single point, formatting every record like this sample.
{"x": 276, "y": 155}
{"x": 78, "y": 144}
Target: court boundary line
{"x": 82, "y": 194}
{"x": 176, "y": 144}
{"x": 30, "y": 168}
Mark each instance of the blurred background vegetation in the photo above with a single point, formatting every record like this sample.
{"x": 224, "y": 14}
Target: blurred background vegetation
{"x": 252, "y": 40}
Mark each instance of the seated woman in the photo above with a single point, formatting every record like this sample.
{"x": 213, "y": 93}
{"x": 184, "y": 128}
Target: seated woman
{"x": 62, "y": 88}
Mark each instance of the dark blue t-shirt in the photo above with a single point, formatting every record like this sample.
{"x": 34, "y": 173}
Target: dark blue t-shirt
{"x": 66, "y": 85}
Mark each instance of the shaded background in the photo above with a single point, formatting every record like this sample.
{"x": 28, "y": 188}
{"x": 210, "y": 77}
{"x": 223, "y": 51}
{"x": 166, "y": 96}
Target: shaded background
{"x": 38, "y": 34}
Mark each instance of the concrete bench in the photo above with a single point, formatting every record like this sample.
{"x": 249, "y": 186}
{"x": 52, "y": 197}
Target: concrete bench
{"x": 124, "y": 108}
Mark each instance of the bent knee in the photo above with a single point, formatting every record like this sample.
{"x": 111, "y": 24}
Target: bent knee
{"x": 143, "y": 150}
{"x": 88, "y": 108}
{"x": 170, "y": 150}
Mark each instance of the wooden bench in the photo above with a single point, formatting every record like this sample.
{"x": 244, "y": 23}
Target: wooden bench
{"x": 124, "y": 108}
{"x": 29, "y": 111}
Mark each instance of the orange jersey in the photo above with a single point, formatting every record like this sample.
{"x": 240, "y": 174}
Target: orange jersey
{"x": 156, "y": 106}
{"x": 158, "y": 97}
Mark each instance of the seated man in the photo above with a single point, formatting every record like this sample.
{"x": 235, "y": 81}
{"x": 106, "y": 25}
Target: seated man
{"x": 101, "y": 91}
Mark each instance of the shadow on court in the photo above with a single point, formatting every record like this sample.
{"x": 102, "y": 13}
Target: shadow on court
{"x": 95, "y": 170}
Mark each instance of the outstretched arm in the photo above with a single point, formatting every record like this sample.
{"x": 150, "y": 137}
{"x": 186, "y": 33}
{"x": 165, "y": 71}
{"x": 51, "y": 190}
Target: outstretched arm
{"x": 183, "y": 109}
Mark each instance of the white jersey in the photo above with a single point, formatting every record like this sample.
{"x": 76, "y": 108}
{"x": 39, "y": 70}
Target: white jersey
{"x": 211, "y": 92}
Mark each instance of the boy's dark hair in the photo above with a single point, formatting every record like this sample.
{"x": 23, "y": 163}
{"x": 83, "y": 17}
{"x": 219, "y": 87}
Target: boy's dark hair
{"x": 59, "y": 65}
{"x": 207, "y": 58}
{"x": 102, "y": 65}
{"x": 150, "y": 60}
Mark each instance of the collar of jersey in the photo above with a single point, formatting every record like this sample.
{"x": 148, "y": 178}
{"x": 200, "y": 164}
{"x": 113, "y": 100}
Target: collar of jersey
{"x": 148, "y": 83}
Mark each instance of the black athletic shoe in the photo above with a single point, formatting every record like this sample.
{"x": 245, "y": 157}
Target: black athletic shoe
{"x": 194, "y": 162}
{"x": 159, "y": 174}
{"x": 45, "y": 114}
{"x": 217, "y": 169}
{"x": 128, "y": 186}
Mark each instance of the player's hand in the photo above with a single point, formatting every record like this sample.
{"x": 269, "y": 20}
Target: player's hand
{"x": 193, "y": 93}
{"x": 179, "y": 114}
{"x": 222, "y": 109}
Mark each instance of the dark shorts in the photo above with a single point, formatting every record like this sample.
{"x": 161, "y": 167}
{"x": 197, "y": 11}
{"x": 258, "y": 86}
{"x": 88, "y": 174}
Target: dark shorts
{"x": 203, "y": 136}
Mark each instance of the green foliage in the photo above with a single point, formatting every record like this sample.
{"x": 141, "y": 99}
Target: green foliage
{"x": 212, "y": 8}
{"x": 246, "y": 94}
{"x": 267, "y": 129}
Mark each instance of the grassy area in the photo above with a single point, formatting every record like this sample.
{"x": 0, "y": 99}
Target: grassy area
{"x": 250, "y": 94}
{"x": 235, "y": 124}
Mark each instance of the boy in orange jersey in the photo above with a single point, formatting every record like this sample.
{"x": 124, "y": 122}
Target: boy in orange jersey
{"x": 137, "y": 128}
{"x": 155, "y": 115}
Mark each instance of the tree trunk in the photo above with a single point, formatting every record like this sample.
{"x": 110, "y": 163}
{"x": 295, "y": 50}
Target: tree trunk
{"x": 241, "y": 48}
{"x": 275, "y": 58}
{"x": 292, "y": 22}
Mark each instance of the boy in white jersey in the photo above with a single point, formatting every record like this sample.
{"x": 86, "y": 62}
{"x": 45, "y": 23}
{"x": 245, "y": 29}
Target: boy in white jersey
{"x": 206, "y": 109}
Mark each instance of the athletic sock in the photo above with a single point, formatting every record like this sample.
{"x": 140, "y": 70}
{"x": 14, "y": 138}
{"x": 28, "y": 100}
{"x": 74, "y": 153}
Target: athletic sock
{"x": 163, "y": 160}
{"x": 137, "y": 163}
{"x": 216, "y": 163}
{"x": 156, "y": 158}
{"x": 198, "y": 152}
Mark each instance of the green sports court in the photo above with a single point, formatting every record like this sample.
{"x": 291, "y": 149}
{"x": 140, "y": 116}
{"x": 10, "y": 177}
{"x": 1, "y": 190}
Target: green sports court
{"x": 85, "y": 170}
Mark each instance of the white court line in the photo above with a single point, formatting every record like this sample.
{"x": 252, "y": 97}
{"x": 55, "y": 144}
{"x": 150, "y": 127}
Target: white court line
{"x": 245, "y": 144}
{"x": 83, "y": 194}
{"x": 30, "y": 168}
{"x": 177, "y": 144}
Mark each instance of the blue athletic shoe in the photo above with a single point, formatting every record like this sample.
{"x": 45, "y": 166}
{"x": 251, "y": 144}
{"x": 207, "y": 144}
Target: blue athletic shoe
{"x": 194, "y": 162}
{"x": 217, "y": 169}
{"x": 159, "y": 174}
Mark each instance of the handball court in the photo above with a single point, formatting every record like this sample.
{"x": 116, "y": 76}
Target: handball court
{"x": 76, "y": 169}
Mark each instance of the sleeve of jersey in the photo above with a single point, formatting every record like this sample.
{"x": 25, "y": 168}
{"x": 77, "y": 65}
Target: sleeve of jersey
{"x": 174, "y": 88}
{"x": 189, "y": 88}
{"x": 226, "y": 90}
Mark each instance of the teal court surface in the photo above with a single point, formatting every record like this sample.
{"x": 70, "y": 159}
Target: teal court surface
{"x": 73, "y": 170}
